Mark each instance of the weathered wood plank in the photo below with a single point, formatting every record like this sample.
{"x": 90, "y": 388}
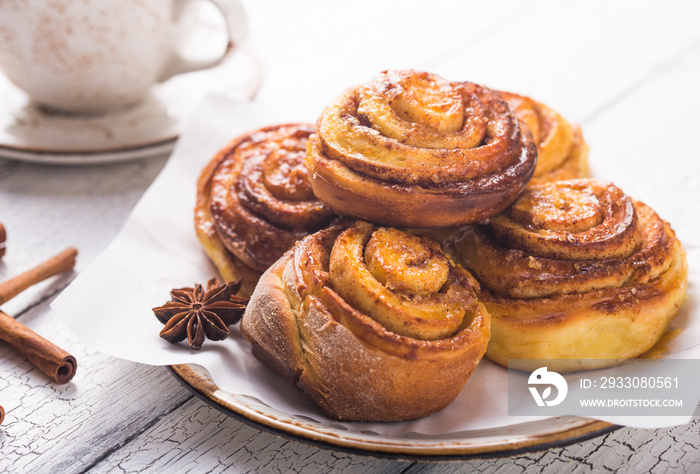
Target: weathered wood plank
{"x": 329, "y": 46}
{"x": 198, "y": 438}
{"x": 49, "y": 426}
{"x": 578, "y": 57}
{"x": 625, "y": 451}
{"x": 62, "y": 428}
{"x": 47, "y": 208}
{"x": 653, "y": 131}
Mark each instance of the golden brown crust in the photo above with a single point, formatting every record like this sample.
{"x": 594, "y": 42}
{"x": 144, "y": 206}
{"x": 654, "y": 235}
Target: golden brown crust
{"x": 562, "y": 152}
{"x": 254, "y": 200}
{"x": 348, "y": 363}
{"x": 575, "y": 270}
{"x": 411, "y": 149}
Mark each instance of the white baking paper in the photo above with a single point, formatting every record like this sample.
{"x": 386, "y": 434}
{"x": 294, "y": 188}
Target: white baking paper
{"x": 109, "y": 305}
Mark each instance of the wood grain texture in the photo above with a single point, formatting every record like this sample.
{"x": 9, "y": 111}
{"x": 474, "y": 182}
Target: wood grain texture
{"x": 48, "y": 208}
{"x": 579, "y": 57}
{"x": 625, "y": 451}
{"x": 628, "y": 75}
{"x": 63, "y": 428}
{"x": 201, "y": 439}
{"x": 204, "y": 440}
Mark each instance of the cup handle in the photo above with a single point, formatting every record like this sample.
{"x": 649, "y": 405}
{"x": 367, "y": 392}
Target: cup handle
{"x": 237, "y": 29}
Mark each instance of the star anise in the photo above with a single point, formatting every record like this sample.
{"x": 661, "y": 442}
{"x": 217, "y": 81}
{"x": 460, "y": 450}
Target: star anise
{"x": 194, "y": 312}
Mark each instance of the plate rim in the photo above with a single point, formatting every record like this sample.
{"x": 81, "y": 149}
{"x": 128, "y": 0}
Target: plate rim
{"x": 91, "y": 157}
{"x": 34, "y": 150}
{"x": 572, "y": 430}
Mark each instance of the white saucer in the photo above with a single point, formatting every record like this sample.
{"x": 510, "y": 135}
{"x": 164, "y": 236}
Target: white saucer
{"x": 146, "y": 130}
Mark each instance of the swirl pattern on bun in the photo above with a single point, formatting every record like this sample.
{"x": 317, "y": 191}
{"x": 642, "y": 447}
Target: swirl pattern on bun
{"x": 562, "y": 152}
{"x": 575, "y": 270}
{"x": 370, "y": 323}
{"x": 254, "y": 201}
{"x": 411, "y": 149}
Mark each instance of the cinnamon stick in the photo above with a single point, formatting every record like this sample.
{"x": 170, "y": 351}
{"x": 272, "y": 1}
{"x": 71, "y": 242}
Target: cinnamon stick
{"x": 60, "y": 263}
{"x": 3, "y": 238}
{"x": 56, "y": 363}
{"x": 59, "y": 365}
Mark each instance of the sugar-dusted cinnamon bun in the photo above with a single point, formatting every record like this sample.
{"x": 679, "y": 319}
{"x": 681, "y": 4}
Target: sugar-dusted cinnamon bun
{"x": 575, "y": 270}
{"x": 370, "y": 323}
{"x": 254, "y": 200}
{"x": 562, "y": 152}
{"x": 412, "y": 149}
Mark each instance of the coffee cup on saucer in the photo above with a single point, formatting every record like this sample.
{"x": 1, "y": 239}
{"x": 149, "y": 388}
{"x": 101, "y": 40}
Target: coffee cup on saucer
{"x": 99, "y": 56}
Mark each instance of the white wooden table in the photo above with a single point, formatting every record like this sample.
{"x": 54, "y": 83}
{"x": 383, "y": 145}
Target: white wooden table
{"x": 627, "y": 72}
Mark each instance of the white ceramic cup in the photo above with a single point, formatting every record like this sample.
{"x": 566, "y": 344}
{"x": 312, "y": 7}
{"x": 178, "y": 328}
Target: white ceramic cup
{"x": 100, "y": 55}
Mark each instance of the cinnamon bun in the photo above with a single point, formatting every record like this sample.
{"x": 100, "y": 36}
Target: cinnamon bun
{"x": 411, "y": 149}
{"x": 562, "y": 152}
{"x": 370, "y": 323}
{"x": 575, "y": 271}
{"x": 254, "y": 200}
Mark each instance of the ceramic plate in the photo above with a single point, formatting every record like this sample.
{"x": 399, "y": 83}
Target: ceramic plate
{"x": 506, "y": 441}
